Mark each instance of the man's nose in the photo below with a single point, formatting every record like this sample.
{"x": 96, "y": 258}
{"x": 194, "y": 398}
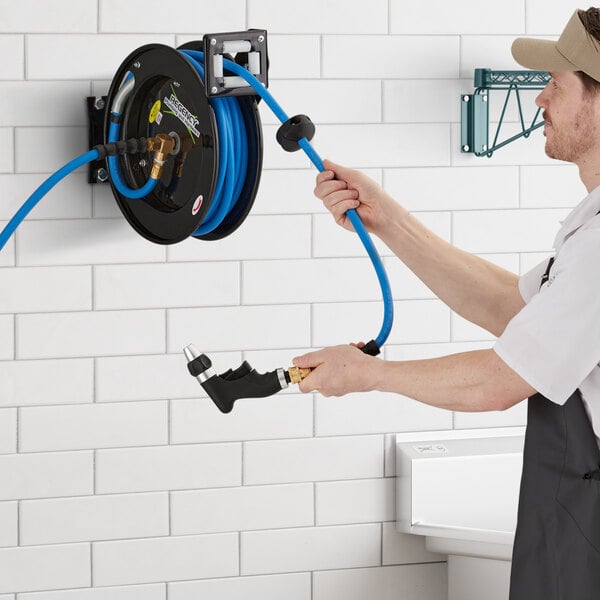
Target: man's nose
{"x": 541, "y": 100}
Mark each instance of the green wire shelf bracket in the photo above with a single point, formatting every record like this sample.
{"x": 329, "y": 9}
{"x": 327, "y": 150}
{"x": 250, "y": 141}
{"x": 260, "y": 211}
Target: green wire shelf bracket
{"x": 475, "y": 113}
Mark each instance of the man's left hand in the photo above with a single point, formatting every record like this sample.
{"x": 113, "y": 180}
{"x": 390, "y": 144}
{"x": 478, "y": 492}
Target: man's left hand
{"x": 339, "y": 370}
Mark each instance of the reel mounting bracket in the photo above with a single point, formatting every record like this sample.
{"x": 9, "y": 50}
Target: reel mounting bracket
{"x": 247, "y": 48}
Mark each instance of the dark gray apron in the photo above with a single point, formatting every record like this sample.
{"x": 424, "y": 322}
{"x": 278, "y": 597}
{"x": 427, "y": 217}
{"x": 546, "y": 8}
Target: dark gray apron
{"x": 556, "y": 555}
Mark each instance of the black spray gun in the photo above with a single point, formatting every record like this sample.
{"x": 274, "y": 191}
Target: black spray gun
{"x": 243, "y": 382}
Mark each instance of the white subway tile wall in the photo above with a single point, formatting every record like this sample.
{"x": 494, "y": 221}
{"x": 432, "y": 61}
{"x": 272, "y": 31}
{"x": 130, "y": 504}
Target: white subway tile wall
{"x": 119, "y": 479}
{"x": 310, "y": 549}
{"x": 293, "y": 586}
{"x": 7, "y": 158}
{"x": 8, "y": 430}
{"x": 11, "y": 46}
{"x": 406, "y": 582}
{"x": 71, "y": 200}
{"x": 8, "y": 524}
{"x": 151, "y": 591}
{"x": 246, "y": 508}
{"x": 469, "y": 16}
{"x": 65, "y": 16}
{"x": 166, "y": 559}
{"x": 94, "y": 518}
{"x": 543, "y": 22}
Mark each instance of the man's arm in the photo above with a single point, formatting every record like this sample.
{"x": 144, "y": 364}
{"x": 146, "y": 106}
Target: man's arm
{"x": 478, "y": 290}
{"x": 468, "y": 382}
{"x": 474, "y": 288}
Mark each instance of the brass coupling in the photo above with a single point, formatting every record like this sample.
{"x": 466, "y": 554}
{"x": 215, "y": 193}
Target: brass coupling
{"x": 162, "y": 145}
{"x": 297, "y": 374}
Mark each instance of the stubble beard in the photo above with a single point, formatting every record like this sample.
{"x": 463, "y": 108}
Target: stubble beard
{"x": 572, "y": 143}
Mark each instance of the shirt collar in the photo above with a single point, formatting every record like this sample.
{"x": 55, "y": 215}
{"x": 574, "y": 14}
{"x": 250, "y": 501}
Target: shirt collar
{"x": 581, "y": 214}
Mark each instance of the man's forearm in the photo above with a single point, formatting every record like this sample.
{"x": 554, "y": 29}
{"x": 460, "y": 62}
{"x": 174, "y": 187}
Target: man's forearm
{"x": 467, "y": 382}
{"x": 476, "y": 289}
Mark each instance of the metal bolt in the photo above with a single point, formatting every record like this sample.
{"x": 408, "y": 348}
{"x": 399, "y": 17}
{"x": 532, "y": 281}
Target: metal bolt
{"x": 143, "y": 162}
{"x": 466, "y": 148}
{"x": 98, "y": 103}
{"x": 484, "y": 97}
{"x": 214, "y": 90}
{"x": 261, "y": 39}
{"x": 466, "y": 98}
{"x": 102, "y": 175}
{"x": 137, "y": 64}
{"x": 484, "y": 148}
{"x": 213, "y": 42}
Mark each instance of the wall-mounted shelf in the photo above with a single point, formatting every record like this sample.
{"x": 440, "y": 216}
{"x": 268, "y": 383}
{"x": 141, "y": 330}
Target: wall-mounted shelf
{"x": 475, "y": 108}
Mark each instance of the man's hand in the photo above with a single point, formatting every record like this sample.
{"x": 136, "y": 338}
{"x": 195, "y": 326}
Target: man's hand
{"x": 339, "y": 370}
{"x": 341, "y": 189}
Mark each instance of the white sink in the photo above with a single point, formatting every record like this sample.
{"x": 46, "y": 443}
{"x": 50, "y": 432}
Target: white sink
{"x": 460, "y": 490}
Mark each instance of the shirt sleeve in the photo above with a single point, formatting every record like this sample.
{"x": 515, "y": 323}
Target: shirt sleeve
{"x": 529, "y": 283}
{"x": 553, "y": 343}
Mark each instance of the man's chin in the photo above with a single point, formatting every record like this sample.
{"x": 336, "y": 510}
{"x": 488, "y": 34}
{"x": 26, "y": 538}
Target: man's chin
{"x": 551, "y": 153}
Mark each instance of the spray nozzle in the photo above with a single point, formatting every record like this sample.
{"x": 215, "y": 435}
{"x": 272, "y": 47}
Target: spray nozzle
{"x": 243, "y": 382}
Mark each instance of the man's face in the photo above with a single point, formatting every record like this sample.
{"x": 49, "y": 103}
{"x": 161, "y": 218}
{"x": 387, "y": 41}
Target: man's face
{"x": 571, "y": 116}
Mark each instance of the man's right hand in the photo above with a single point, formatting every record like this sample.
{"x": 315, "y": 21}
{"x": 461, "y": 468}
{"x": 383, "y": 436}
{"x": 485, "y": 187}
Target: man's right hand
{"x": 341, "y": 189}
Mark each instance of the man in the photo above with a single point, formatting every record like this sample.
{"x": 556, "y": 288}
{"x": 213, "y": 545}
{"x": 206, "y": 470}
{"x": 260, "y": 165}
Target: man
{"x": 547, "y": 323}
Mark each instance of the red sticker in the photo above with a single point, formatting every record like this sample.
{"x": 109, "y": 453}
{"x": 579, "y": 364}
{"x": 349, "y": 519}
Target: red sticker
{"x": 197, "y": 205}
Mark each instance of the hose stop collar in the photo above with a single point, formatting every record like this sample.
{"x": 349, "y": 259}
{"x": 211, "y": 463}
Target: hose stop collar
{"x": 293, "y": 130}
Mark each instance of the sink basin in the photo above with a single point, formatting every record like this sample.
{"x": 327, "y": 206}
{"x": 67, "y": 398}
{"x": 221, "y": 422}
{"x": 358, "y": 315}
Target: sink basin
{"x": 460, "y": 490}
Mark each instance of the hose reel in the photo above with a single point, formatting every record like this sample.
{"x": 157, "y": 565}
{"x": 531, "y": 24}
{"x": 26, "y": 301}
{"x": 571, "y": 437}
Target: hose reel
{"x": 165, "y": 94}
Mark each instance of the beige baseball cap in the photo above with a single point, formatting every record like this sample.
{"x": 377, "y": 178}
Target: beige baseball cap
{"x": 575, "y": 50}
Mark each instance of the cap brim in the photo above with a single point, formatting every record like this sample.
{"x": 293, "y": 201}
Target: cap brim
{"x": 540, "y": 55}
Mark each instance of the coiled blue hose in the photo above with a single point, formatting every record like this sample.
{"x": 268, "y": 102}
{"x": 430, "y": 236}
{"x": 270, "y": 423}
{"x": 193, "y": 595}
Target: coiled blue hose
{"x": 196, "y": 58}
{"x": 42, "y": 190}
{"x": 233, "y": 153}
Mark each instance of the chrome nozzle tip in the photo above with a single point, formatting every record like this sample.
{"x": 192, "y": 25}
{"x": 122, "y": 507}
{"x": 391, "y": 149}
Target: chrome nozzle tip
{"x": 191, "y": 352}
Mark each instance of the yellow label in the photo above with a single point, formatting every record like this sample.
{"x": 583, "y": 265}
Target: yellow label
{"x": 154, "y": 111}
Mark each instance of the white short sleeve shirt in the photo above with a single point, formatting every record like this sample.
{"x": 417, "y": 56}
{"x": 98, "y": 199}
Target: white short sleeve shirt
{"x": 553, "y": 343}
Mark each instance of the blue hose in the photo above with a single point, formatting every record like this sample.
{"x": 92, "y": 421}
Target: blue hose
{"x": 115, "y": 174}
{"x": 197, "y": 60}
{"x": 233, "y": 162}
{"x": 42, "y": 190}
{"x": 233, "y": 153}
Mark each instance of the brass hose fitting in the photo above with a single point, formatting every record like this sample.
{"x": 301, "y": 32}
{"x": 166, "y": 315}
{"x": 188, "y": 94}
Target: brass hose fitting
{"x": 297, "y": 374}
{"x": 162, "y": 145}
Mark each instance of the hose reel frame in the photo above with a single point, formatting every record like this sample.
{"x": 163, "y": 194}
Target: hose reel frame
{"x": 167, "y": 96}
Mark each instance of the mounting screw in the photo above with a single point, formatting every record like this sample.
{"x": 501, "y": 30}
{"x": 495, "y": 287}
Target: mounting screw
{"x": 261, "y": 39}
{"x": 466, "y": 98}
{"x": 98, "y": 103}
{"x": 143, "y": 162}
{"x": 484, "y": 148}
{"x": 484, "y": 97}
{"x": 466, "y": 148}
{"x": 213, "y": 42}
{"x": 137, "y": 64}
{"x": 214, "y": 90}
{"x": 102, "y": 175}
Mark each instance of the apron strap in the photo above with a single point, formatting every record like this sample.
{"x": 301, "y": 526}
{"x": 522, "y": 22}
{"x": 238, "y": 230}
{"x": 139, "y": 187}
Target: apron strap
{"x": 546, "y": 275}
